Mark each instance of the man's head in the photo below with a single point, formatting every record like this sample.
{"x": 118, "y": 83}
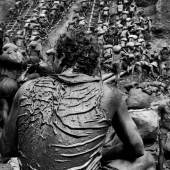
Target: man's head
{"x": 79, "y": 51}
{"x": 117, "y": 49}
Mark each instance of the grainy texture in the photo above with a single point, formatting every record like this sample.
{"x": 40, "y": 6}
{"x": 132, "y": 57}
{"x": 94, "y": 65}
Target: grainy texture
{"x": 145, "y": 3}
{"x": 5, "y": 167}
{"x": 61, "y": 125}
{"x": 4, "y": 6}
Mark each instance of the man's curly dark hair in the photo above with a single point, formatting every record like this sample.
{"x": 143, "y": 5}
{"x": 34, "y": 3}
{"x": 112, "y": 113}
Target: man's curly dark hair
{"x": 80, "y": 51}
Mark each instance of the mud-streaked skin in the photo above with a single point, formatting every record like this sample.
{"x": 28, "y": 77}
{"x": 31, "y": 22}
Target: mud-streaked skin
{"x": 60, "y": 123}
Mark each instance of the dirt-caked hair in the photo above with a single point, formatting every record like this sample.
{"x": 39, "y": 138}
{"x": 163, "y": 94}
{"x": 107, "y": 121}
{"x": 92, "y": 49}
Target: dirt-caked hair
{"x": 80, "y": 51}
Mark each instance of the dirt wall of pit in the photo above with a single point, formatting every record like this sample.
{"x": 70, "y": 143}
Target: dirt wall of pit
{"x": 159, "y": 11}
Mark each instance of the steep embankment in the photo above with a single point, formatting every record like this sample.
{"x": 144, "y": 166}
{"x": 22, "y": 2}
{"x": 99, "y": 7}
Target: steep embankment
{"x": 159, "y": 11}
{"x": 61, "y": 27}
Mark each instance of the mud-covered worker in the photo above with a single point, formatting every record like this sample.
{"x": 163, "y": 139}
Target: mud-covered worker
{"x": 35, "y": 52}
{"x": 67, "y": 127}
{"x": 116, "y": 61}
{"x": 10, "y": 68}
{"x": 120, "y": 7}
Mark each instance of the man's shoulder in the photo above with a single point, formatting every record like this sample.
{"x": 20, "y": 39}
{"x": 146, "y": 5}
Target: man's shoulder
{"x": 112, "y": 92}
{"x": 111, "y": 99}
{"x": 38, "y": 83}
{"x": 77, "y": 78}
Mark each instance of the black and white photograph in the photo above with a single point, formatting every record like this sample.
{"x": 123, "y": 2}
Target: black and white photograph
{"x": 84, "y": 84}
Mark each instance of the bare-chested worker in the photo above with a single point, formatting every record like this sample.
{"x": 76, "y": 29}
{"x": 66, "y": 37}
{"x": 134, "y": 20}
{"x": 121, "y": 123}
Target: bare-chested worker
{"x": 60, "y": 122}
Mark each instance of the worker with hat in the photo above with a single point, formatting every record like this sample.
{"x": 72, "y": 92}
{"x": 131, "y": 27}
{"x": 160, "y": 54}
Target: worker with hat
{"x": 20, "y": 39}
{"x": 138, "y": 51}
{"x": 120, "y": 7}
{"x": 99, "y": 26}
{"x": 84, "y": 5}
{"x": 35, "y": 50}
{"x": 125, "y": 15}
{"x": 116, "y": 62}
{"x": 123, "y": 41}
{"x": 108, "y": 51}
{"x": 126, "y": 4}
{"x": 82, "y": 21}
{"x": 130, "y": 46}
{"x": 100, "y": 35}
{"x": 132, "y": 9}
{"x": 106, "y": 11}
{"x": 164, "y": 52}
{"x": 105, "y": 26}
{"x": 142, "y": 41}
{"x": 102, "y": 3}
{"x": 71, "y": 25}
{"x": 27, "y": 27}
{"x": 128, "y": 22}
{"x": 52, "y": 14}
{"x": 132, "y": 38}
{"x": 125, "y": 32}
{"x": 43, "y": 20}
{"x": 113, "y": 9}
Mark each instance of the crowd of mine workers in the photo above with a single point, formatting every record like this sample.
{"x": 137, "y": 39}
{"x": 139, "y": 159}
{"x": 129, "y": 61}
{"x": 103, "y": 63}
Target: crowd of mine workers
{"x": 123, "y": 32}
{"x": 21, "y": 36}
{"x": 27, "y": 27}
{"x": 38, "y": 20}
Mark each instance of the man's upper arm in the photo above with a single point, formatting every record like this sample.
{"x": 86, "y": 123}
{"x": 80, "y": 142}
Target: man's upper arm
{"x": 125, "y": 126}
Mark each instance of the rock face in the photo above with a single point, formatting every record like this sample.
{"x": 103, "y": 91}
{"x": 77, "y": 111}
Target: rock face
{"x": 159, "y": 11}
{"x": 147, "y": 123}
